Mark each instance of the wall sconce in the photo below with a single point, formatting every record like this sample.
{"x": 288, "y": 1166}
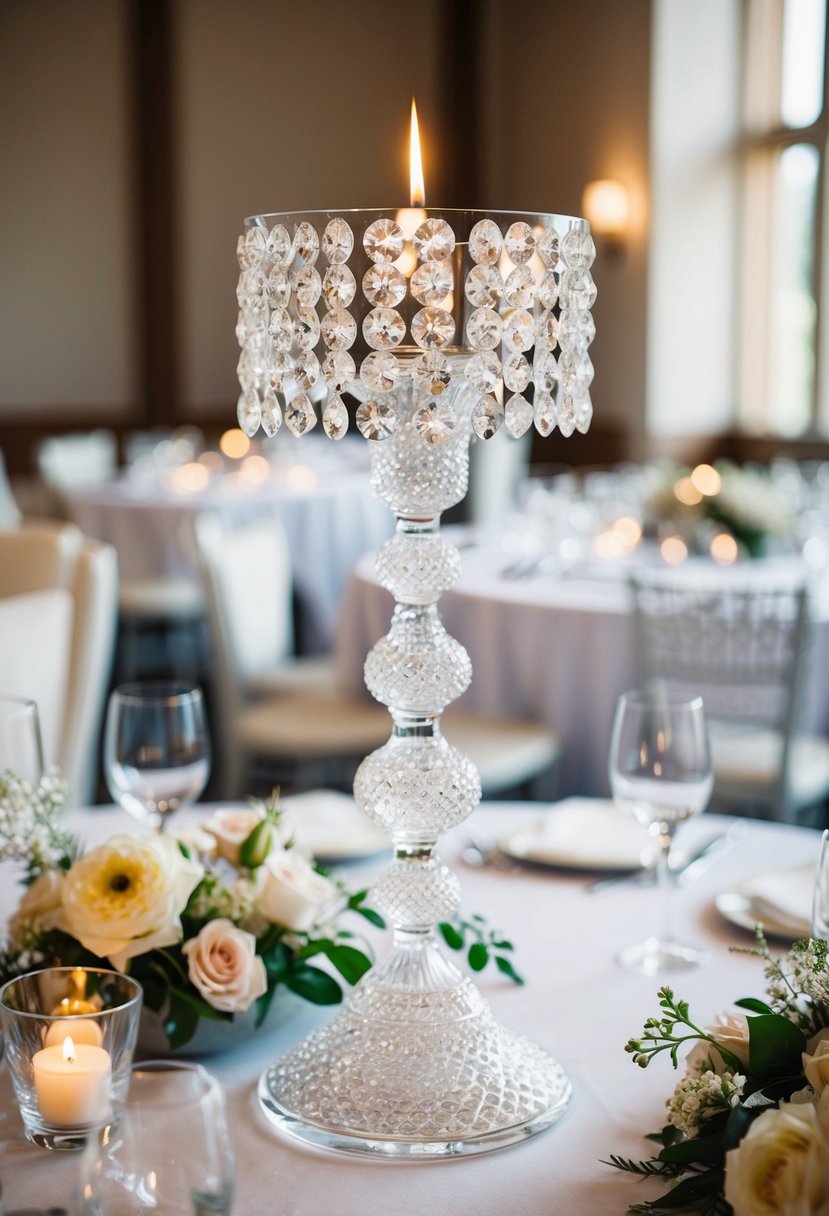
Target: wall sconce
{"x": 606, "y": 205}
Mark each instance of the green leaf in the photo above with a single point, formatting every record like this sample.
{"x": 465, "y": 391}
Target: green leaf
{"x": 751, "y": 1002}
{"x": 197, "y": 1003}
{"x": 502, "y": 945}
{"x": 775, "y": 1045}
{"x": 478, "y": 956}
{"x": 314, "y": 985}
{"x": 707, "y": 1149}
{"x": 690, "y": 1192}
{"x": 736, "y": 1126}
{"x": 263, "y": 1004}
{"x": 505, "y": 966}
{"x": 450, "y": 935}
{"x": 351, "y": 963}
{"x": 180, "y": 1023}
{"x": 373, "y": 918}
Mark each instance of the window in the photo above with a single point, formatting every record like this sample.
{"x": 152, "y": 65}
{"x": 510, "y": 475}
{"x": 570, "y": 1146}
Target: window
{"x": 784, "y": 350}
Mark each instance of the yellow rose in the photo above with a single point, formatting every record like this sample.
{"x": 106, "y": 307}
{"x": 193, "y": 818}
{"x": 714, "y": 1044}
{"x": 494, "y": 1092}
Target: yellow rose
{"x": 781, "y": 1166}
{"x": 224, "y": 966}
{"x": 40, "y": 907}
{"x": 126, "y": 896}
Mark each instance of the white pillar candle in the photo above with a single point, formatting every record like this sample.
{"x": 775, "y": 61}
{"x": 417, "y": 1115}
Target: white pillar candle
{"x": 72, "y": 1083}
{"x": 80, "y": 1030}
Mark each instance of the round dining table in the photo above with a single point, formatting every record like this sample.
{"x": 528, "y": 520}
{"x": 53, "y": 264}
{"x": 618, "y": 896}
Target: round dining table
{"x": 552, "y": 641}
{"x": 576, "y": 1001}
{"x": 318, "y": 491}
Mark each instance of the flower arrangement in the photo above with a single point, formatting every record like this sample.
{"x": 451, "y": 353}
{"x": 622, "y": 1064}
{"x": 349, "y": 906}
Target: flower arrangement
{"x": 748, "y": 1124}
{"x": 210, "y": 922}
{"x": 700, "y": 502}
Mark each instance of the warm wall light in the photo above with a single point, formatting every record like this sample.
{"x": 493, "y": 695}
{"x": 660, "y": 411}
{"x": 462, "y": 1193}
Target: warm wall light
{"x": 607, "y": 206}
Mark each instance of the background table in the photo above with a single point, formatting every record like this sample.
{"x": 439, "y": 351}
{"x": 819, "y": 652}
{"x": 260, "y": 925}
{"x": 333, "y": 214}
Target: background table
{"x": 554, "y": 647}
{"x": 577, "y": 1002}
{"x": 322, "y": 499}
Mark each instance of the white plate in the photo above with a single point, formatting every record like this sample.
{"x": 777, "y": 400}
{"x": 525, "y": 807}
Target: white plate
{"x": 581, "y": 834}
{"x": 753, "y": 901}
{"x": 331, "y": 827}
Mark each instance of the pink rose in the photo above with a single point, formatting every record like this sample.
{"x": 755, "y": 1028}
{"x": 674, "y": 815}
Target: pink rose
{"x": 223, "y": 965}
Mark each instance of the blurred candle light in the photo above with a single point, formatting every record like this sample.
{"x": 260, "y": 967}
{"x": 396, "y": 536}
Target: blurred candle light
{"x": 234, "y": 444}
{"x": 673, "y": 550}
{"x": 707, "y": 480}
{"x": 723, "y": 548}
{"x": 629, "y": 529}
{"x": 607, "y": 206}
{"x": 300, "y": 478}
{"x": 253, "y": 471}
{"x": 189, "y": 478}
{"x": 687, "y": 493}
{"x": 410, "y": 218}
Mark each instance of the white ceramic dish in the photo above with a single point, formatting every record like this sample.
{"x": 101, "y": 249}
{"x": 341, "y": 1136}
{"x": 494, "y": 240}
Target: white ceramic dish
{"x": 581, "y": 834}
{"x": 780, "y": 900}
{"x": 331, "y": 827}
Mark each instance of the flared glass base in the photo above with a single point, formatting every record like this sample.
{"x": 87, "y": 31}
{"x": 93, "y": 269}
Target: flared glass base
{"x": 414, "y": 1076}
{"x": 658, "y": 957}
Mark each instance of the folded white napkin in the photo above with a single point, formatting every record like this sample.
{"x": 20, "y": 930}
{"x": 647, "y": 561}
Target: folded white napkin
{"x": 330, "y": 825}
{"x": 782, "y": 899}
{"x": 591, "y": 833}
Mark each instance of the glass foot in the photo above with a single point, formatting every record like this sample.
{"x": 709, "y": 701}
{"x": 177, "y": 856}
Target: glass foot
{"x": 657, "y": 957}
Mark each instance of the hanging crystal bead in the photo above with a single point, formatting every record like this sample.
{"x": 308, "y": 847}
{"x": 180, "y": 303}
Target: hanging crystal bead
{"x": 577, "y": 249}
{"x": 485, "y": 242}
{"x": 544, "y": 414}
{"x": 307, "y": 327}
{"x": 249, "y": 412}
{"x": 433, "y": 328}
{"x": 281, "y": 369}
{"x": 433, "y": 241}
{"x": 383, "y": 328}
{"x": 307, "y": 370}
{"x": 432, "y": 282}
{"x": 376, "y": 420}
{"x": 339, "y": 286}
{"x": 577, "y": 289}
{"x": 299, "y": 415}
{"x": 518, "y": 415}
{"x": 335, "y": 418}
{"x": 483, "y": 329}
{"x": 519, "y": 330}
{"x": 279, "y": 245}
{"x": 339, "y": 329}
{"x": 338, "y": 370}
{"x": 253, "y": 249}
{"x": 517, "y": 372}
{"x": 566, "y": 414}
{"x": 278, "y": 288}
{"x": 308, "y": 285}
{"x": 483, "y": 371}
{"x": 271, "y": 414}
{"x": 484, "y": 286}
{"x": 547, "y": 330}
{"x": 435, "y": 421}
{"x": 583, "y": 412}
{"x": 384, "y": 284}
{"x": 432, "y": 372}
{"x": 487, "y": 417}
{"x": 575, "y": 328}
{"x": 548, "y": 246}
{"x": 519, "y": 242}
{"x": 547, "y": 290}
{"x": 281, "y": 329}
{"x": 337, "y": 241}
{"x": 306, "y": 244}
{"x": 380, "y": 371}
{"x": 383, "y": 241}
{"x": 519, "y": 287}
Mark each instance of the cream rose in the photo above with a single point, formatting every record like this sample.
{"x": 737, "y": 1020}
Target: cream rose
{"x": 230, "y": 829}
{"x": 40, "y": 907}
{"x": 816, "y": 1066}
{"x": 781, "y": 1166}
{"x": 290, "y": 892}
{"x": 125, "y": 897}
{"x": 731, "y": 1031}
{"x": 224, "y": 966}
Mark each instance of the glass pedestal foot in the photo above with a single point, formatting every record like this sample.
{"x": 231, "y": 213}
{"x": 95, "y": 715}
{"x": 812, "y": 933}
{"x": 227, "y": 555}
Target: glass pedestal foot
{"x": 657, "y": 957}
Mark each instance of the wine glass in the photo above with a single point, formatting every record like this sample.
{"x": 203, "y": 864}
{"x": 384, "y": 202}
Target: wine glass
{"x": 21, "y": 750}
{"x": 156, "y": 748}
{"x": 169, "y": 1152}
{"x": 820, "y": 905}
{"x": 660, "y": 772}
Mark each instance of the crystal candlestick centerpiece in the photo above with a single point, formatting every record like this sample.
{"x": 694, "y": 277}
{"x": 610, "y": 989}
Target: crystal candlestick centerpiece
{"x": 445, "y": 326}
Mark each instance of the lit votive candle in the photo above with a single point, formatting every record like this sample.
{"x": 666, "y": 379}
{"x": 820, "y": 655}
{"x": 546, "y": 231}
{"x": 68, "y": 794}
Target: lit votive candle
{"x": 72, "y": 1083}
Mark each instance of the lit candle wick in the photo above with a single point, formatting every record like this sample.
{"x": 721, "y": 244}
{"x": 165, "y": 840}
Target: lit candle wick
{"x": 69, "y": 1050}
{"x": 417, "y": 187}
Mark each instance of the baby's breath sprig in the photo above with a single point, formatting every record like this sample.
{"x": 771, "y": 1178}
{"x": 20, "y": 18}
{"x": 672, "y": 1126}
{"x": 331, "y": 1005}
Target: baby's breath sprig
{"x": 658, "y": 1034}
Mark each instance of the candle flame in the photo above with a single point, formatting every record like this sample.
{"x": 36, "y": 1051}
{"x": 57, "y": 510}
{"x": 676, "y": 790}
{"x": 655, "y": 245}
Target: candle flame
{"x": 417, "y": 189}
{"x": 69, "y": 1050}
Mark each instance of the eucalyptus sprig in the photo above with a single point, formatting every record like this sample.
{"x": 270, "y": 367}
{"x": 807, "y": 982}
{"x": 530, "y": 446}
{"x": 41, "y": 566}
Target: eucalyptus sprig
{"x": 485, "y": 944}
{"x": 658, "y": 1034}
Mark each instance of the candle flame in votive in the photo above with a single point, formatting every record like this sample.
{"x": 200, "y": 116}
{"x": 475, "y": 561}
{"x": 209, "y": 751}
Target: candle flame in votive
{"x": 417, "y": 188}
{"x": 69, "y": 1050}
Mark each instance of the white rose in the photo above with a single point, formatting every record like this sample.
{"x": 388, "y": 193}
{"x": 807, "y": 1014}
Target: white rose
{"x": 781, "y": 1166}
{"x": 224, "y": 966}
{"x": 125, "y": 897}
{"x": 290, "y": 892}
{"x": 816, "y": 1066}
{"x": 731, "y": 1031}
{"x": 231, "y": 828}
{"x": 40, "y": 907}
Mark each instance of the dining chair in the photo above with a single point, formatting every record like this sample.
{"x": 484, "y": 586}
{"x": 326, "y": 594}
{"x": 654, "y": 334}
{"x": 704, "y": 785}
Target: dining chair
{"x": 66, "y": 462}
{"x": 745, "y": 650}
{"x": 9, "y": 510}
{"x": 58, "y": 613}
{"x": 294, "y": 711}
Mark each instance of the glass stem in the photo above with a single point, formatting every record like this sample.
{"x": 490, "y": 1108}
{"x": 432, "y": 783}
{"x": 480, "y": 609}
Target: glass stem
{"x": 664, "y": 879}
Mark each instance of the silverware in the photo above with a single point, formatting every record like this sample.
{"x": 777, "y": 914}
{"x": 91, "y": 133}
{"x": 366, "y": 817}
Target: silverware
{"x": 479, "y": 855}
{"x": 709, "y": 852}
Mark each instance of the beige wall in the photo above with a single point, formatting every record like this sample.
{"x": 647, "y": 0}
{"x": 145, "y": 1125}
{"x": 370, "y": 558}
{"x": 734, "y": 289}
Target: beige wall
{"x": 65, "y": 212}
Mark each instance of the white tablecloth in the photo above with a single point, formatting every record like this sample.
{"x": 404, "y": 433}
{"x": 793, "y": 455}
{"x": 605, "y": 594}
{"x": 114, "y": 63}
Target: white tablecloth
{"x": 554, "y": 647}
{"x": 577, "y": 1002}
{"x": 326, "y": 507}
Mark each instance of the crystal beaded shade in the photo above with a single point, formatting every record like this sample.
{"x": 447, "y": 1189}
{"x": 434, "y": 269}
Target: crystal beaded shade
{"x": 444, "y": 330}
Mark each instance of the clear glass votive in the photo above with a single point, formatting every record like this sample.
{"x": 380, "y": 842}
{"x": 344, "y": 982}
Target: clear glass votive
{"x": 70, "y": 1037}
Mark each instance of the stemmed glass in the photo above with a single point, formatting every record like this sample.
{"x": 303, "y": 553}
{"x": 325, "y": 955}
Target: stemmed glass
{"x": 820, "y": 905}
{"x": 156, "y": 748}
{"x": 21, "y": 750}
{"x": 660, "y": 772}
{"x": 169, "y": 1152}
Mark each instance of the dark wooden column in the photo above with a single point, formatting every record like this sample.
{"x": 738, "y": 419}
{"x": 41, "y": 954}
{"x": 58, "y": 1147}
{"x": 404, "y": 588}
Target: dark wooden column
{"x": 460, "y": 70}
